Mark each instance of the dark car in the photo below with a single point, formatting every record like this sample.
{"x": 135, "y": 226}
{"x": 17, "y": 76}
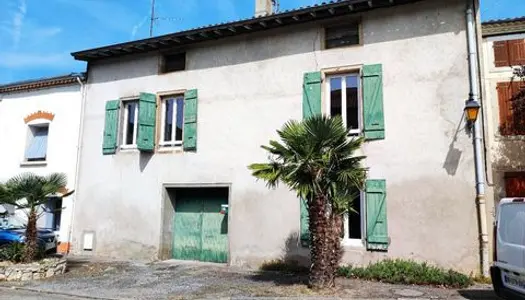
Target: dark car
{"x": 12, "y": 230}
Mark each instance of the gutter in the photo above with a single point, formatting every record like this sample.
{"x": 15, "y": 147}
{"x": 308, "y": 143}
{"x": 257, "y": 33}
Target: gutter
{"x": 77, "y": 165}
{"x": 477, "y": 138}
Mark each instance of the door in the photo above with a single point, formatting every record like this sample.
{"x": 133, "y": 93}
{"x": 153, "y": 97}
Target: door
{"x": 200, "y": 231}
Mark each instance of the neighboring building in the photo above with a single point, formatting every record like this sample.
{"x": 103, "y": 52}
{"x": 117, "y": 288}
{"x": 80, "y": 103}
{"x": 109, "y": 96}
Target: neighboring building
{"x": 504, "y": 50}
{"x": 39, "y": 127}
{"x": 172, "y": 122}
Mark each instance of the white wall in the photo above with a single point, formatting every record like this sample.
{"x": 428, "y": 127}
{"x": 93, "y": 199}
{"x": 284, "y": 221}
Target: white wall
{"x": 64, "y": 103}
{"x": 249, "y": 87}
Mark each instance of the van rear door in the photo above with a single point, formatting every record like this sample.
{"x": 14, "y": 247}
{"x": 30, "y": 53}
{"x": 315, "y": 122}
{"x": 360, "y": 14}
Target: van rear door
{"x": 510, "y": 245}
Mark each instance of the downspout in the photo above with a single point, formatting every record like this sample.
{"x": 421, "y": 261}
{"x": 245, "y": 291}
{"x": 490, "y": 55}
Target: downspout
{"x": 77, "y": 166}
{"x": 478, "y": 139}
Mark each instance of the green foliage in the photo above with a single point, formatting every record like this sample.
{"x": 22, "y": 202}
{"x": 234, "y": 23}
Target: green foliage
{"x": 13, "y": 252}
{"x": 292, "y": 267}
{"x": 315, "y": 157}
{"x": 407, "y": 272}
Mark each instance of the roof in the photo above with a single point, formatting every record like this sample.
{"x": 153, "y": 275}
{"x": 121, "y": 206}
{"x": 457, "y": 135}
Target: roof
{"x": 42, "y": 83}
{"x": 503, "y": 26}
{"x": 325, "y": 10}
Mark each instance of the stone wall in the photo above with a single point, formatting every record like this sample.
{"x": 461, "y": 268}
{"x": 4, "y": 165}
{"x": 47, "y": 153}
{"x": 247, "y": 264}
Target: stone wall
{"x": 23, "y": 272}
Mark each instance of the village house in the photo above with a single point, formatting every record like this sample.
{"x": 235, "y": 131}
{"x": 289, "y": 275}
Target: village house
{"x": 504, "y": 51}
{"x": 39, "y": 120}
{"x": 171, "y": 123}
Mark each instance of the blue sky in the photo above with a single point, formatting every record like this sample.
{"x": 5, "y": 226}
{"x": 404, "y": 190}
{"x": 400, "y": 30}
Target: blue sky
{"x": 36, "y": 36}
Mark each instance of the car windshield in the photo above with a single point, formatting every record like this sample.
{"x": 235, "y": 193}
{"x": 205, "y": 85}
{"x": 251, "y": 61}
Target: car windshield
{"x": 11, "y": 222}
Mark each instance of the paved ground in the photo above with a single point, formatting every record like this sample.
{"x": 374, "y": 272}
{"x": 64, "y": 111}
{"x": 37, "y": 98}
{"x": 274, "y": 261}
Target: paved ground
{"x": 182, "y": 280}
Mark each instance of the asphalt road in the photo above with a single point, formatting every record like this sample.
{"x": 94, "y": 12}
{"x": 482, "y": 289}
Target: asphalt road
{"x": 10, "y": 294}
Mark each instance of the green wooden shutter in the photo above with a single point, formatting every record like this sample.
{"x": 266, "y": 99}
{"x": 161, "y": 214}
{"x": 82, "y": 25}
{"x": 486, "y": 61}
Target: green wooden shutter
{"x": 311, "y": 94}
{"x": 376, "y": 219}
{"x": 146, "y": 122}
{"x": 374, "y": 123}
{"x": 109, "y": 144}
{"x": 311, "y": 107}
{"x": 190, "y": 120}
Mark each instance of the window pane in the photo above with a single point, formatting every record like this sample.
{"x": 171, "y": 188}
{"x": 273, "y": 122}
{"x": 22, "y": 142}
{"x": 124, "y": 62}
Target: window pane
{"x": 335, "y": 97}
{"x": 180, "y": 118}
{"x": 130, "y": 126}
{"x": 168, "y": 119}
{"x": 340, "y": 36}
{"x": 354, "y": 219}
{"x": 352, "y": 110}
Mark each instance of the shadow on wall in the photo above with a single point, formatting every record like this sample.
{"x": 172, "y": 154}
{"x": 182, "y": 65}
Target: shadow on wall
{"x": 380, "y": 26}
{"x": 291, "y": 268}
{"x": 453, "y": 157}
{"x": 144, "y": 159}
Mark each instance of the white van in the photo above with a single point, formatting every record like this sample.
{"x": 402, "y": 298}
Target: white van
{"x": 508, "y": 270}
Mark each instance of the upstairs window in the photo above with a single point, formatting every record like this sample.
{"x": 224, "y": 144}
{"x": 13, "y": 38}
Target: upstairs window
{"x": 173, "y": 62}
{"x": 509, "y": 53}
{"x": 129, "y": 123}
{"x": 343, "y": 100}
{"x": 511, "y": 102}
{"x": 172, "y": 118}
{"x": 36, "y": 149}
{"x": 342, "y": 35}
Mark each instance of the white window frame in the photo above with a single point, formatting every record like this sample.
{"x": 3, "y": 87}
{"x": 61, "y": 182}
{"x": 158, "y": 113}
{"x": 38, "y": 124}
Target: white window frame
{"x": 172, "y": 142}
{"x": 358, "y": 243}
{"x": 125, "y": 127}
{"x": 328, "y": 93}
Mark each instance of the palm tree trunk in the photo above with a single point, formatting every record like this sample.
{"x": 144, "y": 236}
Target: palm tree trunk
{"x": 336, "y": 251}
{"x": 319, "y": 244}
{"x": 31, "y": 247}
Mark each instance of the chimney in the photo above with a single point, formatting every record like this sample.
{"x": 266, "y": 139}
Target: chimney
{"x": 263, "y": 8}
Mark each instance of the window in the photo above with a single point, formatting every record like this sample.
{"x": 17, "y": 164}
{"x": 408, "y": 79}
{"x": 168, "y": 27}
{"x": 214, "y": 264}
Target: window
{"x": 509, "y": 53}
{"x": 344, "y": 100}
{"x": 130, "y": 121}
{"x": 511, "y": 102}
{"x": 36, "y": 149}
{"x": 353, "y": 225}
{"x": 173, "y": 62}
{"x": 172, "y": 118}
{"x": 342, "y": 35}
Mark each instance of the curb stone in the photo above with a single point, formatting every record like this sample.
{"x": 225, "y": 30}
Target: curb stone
{"x": 79, "y": 296}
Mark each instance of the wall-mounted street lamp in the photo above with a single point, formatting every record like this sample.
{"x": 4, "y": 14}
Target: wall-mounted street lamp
{"x": 472, "y": 111}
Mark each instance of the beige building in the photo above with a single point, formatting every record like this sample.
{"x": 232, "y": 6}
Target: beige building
{"x": 172, "y": 122}
{"x": 504, "y": 52}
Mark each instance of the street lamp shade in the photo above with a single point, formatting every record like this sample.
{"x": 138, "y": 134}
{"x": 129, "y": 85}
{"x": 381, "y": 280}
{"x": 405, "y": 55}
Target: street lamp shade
{"x": 472, "y": 110}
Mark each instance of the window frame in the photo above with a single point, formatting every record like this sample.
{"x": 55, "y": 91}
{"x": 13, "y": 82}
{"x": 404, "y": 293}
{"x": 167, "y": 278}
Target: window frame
{"x": 29, "y": 137}
{"x": 173, "y": 143}
{"x": 346, "y": 240}
{"x": 327, "y": 97}
{"x": 124, "y": 119}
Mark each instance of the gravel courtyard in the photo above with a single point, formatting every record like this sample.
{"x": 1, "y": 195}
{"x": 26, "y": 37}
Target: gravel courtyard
{"x": 189, "y": 280}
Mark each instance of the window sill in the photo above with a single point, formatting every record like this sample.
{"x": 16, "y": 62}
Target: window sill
{"x": 169, "y": 149}
{"x": 33, "y": 164}
{"x": 510, "y": 137}
{"x": 353, "y": 244}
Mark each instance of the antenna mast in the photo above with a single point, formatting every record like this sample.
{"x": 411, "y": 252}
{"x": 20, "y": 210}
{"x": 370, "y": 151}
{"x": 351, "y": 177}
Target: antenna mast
{"x": 152, "y": 18}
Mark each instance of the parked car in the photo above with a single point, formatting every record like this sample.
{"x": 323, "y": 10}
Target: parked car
{"x": 508, "y": 270}
{"x": 12, "y": 230}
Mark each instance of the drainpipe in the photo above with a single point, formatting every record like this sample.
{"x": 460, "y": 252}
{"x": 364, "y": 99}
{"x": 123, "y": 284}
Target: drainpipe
{"x": 77, "y": 166}
{"x": 478, "y": 140}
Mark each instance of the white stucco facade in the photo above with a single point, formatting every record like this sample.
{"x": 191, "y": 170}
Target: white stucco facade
{"x": 57, "y": 106}
{"x": 249, "y": 86}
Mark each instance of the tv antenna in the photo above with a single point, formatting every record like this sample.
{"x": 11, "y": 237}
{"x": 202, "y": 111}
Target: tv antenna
{"x": 154, "y": 18}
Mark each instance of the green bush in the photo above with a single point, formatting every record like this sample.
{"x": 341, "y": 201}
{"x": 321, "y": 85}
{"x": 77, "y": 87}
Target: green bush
{"x": 12, "y": 252}
{"x": 407, "y": 272}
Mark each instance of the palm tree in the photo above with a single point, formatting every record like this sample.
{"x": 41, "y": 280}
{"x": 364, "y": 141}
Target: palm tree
{"x": 29, "y": 191}
{"x": 316, "y": 160}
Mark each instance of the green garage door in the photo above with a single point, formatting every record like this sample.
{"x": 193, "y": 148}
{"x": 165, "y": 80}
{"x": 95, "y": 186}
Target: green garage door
{"x": 201, "y": 232}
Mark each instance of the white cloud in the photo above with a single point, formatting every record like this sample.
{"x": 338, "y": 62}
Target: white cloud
{"x": 137, "y": 27}
{"x": 18, "y": 22}
{"x": 28, "y": 60}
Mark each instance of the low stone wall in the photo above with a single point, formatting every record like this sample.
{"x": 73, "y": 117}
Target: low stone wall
{"x": 41, "y": 269}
